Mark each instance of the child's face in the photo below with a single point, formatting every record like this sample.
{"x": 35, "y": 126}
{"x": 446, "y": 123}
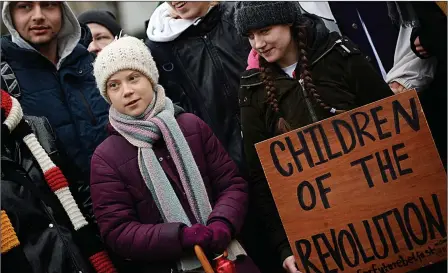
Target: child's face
{"x": 130, "y": 92}
{"x": 273, "y": 43}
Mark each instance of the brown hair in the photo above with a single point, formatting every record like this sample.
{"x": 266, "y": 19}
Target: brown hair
{"x": 299, "y": 32}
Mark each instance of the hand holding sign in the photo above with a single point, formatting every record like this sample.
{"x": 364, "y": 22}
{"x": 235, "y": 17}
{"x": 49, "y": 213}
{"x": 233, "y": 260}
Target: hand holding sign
{"x": 289, "y": 264}
{"x": 364, "y": 191}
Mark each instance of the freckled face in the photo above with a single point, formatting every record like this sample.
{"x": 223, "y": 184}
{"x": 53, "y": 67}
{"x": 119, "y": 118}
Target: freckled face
{"x": 130, "y": 92}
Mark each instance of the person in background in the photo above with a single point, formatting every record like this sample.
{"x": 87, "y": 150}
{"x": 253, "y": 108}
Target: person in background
{"x": 427, "y": 25}
{"x": 161, "y": 183}
{"x": 298, "y": 74}
{"x": 42, "y": 227}
{"x": 384, "y": 44}
{"x": 200, "y": 57}
{"x": 383, "y": 37}
{"x": 50, "y": 73}
{"x": 104, "y": 28}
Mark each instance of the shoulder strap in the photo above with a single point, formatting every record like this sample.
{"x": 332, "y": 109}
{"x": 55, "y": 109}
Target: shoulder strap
{"x": 9, "y": 81}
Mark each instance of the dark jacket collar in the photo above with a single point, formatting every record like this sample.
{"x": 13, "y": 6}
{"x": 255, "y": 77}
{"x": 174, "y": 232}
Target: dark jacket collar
{"x": 207, "y": 23}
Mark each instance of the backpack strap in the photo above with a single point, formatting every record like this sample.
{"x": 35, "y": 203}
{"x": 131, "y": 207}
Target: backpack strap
{"x": 9, "y": 82}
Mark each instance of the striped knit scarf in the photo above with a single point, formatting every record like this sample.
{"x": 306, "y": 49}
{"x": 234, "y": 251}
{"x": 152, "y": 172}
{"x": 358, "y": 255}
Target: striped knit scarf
{"x": 16, "y": 124}
{"x": 158, "y": 122}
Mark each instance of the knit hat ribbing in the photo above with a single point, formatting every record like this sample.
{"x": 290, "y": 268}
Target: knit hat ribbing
{"x": 251, "y": 15}
{"x": 122, "y": 54}
{"x": 101, "y": 17}
{"x": 14, "y": 123}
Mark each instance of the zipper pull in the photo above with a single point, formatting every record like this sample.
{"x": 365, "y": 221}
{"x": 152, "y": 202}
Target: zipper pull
{"x": 302, "y": 84}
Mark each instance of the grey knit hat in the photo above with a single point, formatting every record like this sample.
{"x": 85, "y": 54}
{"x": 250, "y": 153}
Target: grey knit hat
{"x": 250, "y": 15}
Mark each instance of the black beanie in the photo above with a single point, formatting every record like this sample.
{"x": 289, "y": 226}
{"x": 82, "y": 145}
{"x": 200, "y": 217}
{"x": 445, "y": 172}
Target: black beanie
{"x": 250, "y": 15}
{"x": 101, "y": 17}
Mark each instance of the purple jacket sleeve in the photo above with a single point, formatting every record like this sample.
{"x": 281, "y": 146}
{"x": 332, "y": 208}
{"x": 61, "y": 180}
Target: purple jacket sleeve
{"x": 120, "y": 228}
{"x": 230, "y": 190}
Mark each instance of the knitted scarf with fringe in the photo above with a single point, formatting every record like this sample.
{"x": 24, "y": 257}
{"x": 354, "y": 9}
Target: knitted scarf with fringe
{"x": 16, "y": 124}
{"x": 158, "y": 122}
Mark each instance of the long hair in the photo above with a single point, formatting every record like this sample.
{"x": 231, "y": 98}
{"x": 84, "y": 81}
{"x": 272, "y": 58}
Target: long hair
{"x": 303, "y": 33}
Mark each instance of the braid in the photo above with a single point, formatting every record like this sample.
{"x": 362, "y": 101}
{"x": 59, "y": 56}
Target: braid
{"x": 271, "y": 92}
{"x": 305, "y": 74}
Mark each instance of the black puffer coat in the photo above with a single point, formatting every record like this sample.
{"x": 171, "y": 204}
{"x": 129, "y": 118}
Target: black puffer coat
{"x": 46, "y": 235}
{"x": 200, "y": 71}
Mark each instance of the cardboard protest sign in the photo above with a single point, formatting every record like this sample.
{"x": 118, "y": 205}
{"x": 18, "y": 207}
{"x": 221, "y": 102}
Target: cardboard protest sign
{"x": 364, "y": 191}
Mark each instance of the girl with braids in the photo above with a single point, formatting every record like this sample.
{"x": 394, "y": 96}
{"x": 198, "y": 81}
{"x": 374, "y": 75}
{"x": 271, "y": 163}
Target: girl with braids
{"x": 298, "y": 74}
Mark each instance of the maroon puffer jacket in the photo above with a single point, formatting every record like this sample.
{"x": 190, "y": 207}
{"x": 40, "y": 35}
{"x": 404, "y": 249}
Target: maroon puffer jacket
{"x": 128, "y": 218}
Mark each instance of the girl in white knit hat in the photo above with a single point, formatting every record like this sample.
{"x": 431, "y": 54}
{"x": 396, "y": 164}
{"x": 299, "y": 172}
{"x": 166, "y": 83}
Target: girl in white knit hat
{"x": 161, "y": 183}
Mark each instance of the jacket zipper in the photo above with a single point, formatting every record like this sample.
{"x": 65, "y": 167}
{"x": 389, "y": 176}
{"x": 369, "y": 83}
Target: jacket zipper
{"x": 210, "y": 48}
{"x": 309, "y": 105}
{"x": 89, "y": 110}
{"x": 308, "y": 102}
{"x": 55, "y": 225}
{"x": 339, "y": 41}
{"x": 215, "y": 60}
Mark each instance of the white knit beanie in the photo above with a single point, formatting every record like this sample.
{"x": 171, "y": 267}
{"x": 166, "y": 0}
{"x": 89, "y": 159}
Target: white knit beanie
{"x": 125, "y": 53}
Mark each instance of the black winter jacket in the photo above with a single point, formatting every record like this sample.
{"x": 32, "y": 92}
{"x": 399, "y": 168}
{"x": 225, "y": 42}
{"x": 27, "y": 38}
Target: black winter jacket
{"x": 344, "y": 80}
{"x": 433, "y": 38}
{"x": 200, "y": 72}
{"x": 48, "y": 242}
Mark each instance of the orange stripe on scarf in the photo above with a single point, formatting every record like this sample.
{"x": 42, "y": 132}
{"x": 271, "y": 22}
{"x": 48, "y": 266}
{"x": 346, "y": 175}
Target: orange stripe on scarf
{"x": 9, "y": 238}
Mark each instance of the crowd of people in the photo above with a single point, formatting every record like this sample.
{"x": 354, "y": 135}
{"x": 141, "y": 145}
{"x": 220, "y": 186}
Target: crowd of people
{"x": 124, "y": 155}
